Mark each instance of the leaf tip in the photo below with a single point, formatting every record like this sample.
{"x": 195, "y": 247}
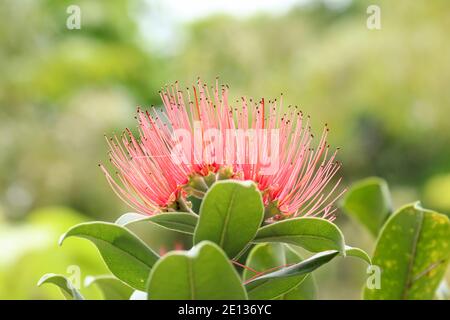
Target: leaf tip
{"x": 44, "y": 278}
{"x": 418, "y": 206}
{"x": 88, "y": 281}
{"x": 61, "y": 239}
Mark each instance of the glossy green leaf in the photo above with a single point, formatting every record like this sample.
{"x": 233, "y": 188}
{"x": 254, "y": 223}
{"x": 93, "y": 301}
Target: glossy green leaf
{"x": 271, "y": 256}
{"x": 111, "y": 287}
{"x": 64, "y": 285}
{"x": 307, "y": 290}
{"x": 202, "y": 273}
{"x": 126, "y": 256}
{"x": 177, "y": 221}
{"x": 230, "y": 215}
{"x": 271, "y": 282}
{"x": 412, "y": 251}
{"x": 313, "y": 234}
{"x": 369, "y": 202}
{"x": 357, "y": 253}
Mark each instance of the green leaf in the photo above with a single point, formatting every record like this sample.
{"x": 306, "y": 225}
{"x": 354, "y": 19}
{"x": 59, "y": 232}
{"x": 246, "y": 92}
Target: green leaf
{"x": 177, "y": 221}
{"x": 369, "y": 202}
{"x": 230, "y": 215}
{"x": 126, "y": 256}
{"x": 357, "y": 253}
{"x": 269, "y": 256}
{"x": 64, "y": 285}
{"x": 266, "y": 283}
{"x": 307, "y": 290}
{"x": 202, "y": 273}
{"x": 313, "y": 234}
{"x": 412, "y": 251}
{"x": 111, "y": 287}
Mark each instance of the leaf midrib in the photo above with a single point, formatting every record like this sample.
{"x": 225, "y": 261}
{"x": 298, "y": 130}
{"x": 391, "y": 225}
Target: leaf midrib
{"x": 191, "y": 279}
{"x": 227, "y": 218}
{"x": 121, "y": 250}
{"x": 409, "y": 280}
{"x": 168, "y": 224}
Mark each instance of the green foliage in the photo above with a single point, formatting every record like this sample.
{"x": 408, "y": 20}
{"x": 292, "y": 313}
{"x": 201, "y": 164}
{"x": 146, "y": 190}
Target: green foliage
{"x": 202, "y": 273}
{"x": 111, "y": 287}
{"x": 176, "y": 221}
{"x": 283, "y": 274}
{"x": 230, "y": 215}
{"x": 307, "y": 290}
{"x": 128, "y": 258}
{"x": 274, "y": 284}
{"x": 64, "y": 284}
{"x": 265, "y": 257}
{"x": 313, "y": 234}
{"x": 369, "y": 201}
{"x": 357, "y": 253}
{"x": 413, "y": 250}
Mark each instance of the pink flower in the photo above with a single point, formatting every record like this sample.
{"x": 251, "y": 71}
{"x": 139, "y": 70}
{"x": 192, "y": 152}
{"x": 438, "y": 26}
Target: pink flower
{"x": 204, "y": 130}
{"x": 147, "y": 180}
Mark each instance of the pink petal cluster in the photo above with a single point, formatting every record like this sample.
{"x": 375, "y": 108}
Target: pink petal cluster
{"x": 150, "y": 181}
{"x": 146, "y": 178}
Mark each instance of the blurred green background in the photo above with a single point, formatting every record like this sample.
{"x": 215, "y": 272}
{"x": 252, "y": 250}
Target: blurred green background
{"x": 384, "y": 94}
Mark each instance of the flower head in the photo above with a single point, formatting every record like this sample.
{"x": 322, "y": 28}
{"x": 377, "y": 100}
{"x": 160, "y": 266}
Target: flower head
{"x": 200, "y": 137}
